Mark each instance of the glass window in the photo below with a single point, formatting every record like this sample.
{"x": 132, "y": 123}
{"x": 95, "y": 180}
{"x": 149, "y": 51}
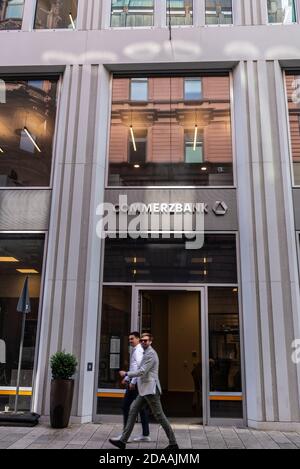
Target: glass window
{"x": 161, "y": 260}
{"x": 132, "y": 13}
{"x": 27, "y": 123}
{"x": 11, "y": 14}
{"x": 193, "y": 147}
{"x": 56, "y": 14}
{"x": 282, "y": 11}
{"x": 176, "y": 112}
{"x": 192, "y": 90}
{"x": 218, "y": 11}
{"x": 226, "y": 400}
{"x": 19, "y": 255}
{"x": 139, "y": 89}
{"x": 138, "y": 147}
{"x": 180, "y": 11}
{"x": 293, "y": 95}
{"x": 114, "y": 347}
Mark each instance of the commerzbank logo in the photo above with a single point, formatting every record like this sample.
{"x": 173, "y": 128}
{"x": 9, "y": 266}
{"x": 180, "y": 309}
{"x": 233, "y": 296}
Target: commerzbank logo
{"x": 142, "y": 220}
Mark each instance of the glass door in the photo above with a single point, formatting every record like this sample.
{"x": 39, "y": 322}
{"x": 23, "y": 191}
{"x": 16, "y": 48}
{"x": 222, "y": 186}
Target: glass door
{"x": 176, "y": 320}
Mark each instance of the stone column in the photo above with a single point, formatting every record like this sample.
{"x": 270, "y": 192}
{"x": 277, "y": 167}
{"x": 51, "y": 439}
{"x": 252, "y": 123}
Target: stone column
{"x": 269, "y": 278}
{"x": 72, "y": 284}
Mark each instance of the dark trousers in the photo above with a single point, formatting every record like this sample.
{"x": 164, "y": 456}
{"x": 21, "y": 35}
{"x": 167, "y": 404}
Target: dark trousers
{"x": 130, "y": 397}
{"x": 155, "y": 405}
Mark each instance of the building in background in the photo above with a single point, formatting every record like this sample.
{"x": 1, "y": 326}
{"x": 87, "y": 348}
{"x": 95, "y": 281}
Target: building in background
{"x": 165, "y": 102}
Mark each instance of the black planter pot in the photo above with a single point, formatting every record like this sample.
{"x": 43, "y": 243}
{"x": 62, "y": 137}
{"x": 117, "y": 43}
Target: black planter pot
{"x": 61, "y": 399}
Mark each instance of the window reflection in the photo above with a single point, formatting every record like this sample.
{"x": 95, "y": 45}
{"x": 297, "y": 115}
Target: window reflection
{"x": 18, "y": 252}
{"x": 218, "y": 11}
{"x": 161, "y": 260}
{"x": 27, "y": 122}
{"x": 181, "y": 12}
{"x": 132, "y": 13}
{"x": 178, "y": 129}
{"x": 11, "y": 14}
{"x": 56, "y": 14}
{"x": 293, "y": 95}
{"x": 224, "y": 353}
{"x": 114, "y": 347}
{"x": 282, "y": 11}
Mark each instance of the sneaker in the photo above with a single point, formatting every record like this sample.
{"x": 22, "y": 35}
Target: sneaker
{"x": 142, "y": 439}
{"x": 117, "y": 443}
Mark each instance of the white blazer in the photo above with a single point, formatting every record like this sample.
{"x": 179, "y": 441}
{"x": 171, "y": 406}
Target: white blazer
{"x": 147, "y": 373}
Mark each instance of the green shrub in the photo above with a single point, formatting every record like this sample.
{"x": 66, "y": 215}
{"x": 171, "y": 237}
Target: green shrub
{"x": 63, "y": 365}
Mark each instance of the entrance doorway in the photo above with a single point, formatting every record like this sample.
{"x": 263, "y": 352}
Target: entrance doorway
{"x": 174, "y": 319}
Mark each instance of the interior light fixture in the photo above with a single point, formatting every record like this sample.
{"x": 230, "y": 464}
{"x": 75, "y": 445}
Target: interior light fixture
{"x": 1, "y": 151}
{"x": 133, "y": 138}
{"x": 195, "y": 137}
{"x": 8, "y": 259}
{"x": 27, "y": 271}
{"x": 137, "y": 166}
{"x": 32, "y": 139}
{"x": 72, "y": 21}
{"x": 204, "y": 168}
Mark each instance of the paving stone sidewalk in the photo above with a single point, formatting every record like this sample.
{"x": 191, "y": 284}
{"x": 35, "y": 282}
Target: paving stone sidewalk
{"x": 92, "y": 436}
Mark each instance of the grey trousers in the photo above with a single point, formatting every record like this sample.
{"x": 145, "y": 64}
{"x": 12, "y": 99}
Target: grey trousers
{"x": 154, "y": 403}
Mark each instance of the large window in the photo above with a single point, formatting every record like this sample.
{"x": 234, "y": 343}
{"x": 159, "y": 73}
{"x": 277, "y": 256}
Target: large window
{"x": 11, "y": 14}
{"x": 218, "y": 11}
{"x": 192, "y": 89}
{"x": 281, "y": 11}
{"x": 171, "y": 131}
{"x": 161, "y": 261}
{"x": 20, "y": 256}
{"x": 56, "y": 14}
{"x": 180, "y": 12}
{"x": 293, "y": 95}
{"x": 139, "y": 89}
{"x": 27, "y": 123}
{"x": 132, "y": 13}
{"x": 225, "y": 382}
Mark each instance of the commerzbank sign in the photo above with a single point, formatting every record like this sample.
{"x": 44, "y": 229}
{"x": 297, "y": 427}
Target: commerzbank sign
{"x": 142, "y": 220}
{"x": 219, "y": 208}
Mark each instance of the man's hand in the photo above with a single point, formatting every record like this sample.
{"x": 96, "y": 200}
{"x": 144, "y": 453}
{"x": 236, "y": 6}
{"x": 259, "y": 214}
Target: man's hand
{"x": 122, "y": 374}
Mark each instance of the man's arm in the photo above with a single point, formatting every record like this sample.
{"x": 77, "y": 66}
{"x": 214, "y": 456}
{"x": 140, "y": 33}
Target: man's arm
{"x": 138, "y": 357}
{"x": 144, "y": 368}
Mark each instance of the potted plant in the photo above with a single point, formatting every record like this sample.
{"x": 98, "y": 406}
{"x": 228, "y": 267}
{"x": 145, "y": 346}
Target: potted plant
{"x": 63, "y": 367}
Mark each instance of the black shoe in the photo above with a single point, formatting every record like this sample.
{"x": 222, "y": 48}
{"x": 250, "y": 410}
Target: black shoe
{"x": 118, "y": 443}
{"x": 172, "y": 448}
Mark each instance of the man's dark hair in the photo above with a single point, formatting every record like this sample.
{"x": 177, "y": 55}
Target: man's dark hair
{"x": 135, "y": 334}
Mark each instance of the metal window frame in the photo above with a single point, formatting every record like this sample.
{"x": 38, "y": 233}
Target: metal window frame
{"x": 203, "y": 287}
{"x": 151, "y": 187}
{"x": 54, "y": 157}
{"x": 40, "y": 310}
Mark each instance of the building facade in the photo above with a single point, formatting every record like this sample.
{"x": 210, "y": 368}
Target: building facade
{"x": 165, "y": 104}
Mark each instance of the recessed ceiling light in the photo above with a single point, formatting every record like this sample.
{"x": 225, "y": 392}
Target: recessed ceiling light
{"x": 27, "y": 271}
{"x": 137, "y": 166}
{"x": 1, "y": 150}
{"x": 8, "y": 259}
{"x": 204, "y": 168}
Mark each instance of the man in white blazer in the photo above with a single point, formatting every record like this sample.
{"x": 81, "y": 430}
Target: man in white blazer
{"x": 149, "y": 393}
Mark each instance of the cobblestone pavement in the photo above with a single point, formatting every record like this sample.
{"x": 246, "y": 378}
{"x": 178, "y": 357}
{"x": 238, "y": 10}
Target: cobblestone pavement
{"x": 92, "y": 436}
